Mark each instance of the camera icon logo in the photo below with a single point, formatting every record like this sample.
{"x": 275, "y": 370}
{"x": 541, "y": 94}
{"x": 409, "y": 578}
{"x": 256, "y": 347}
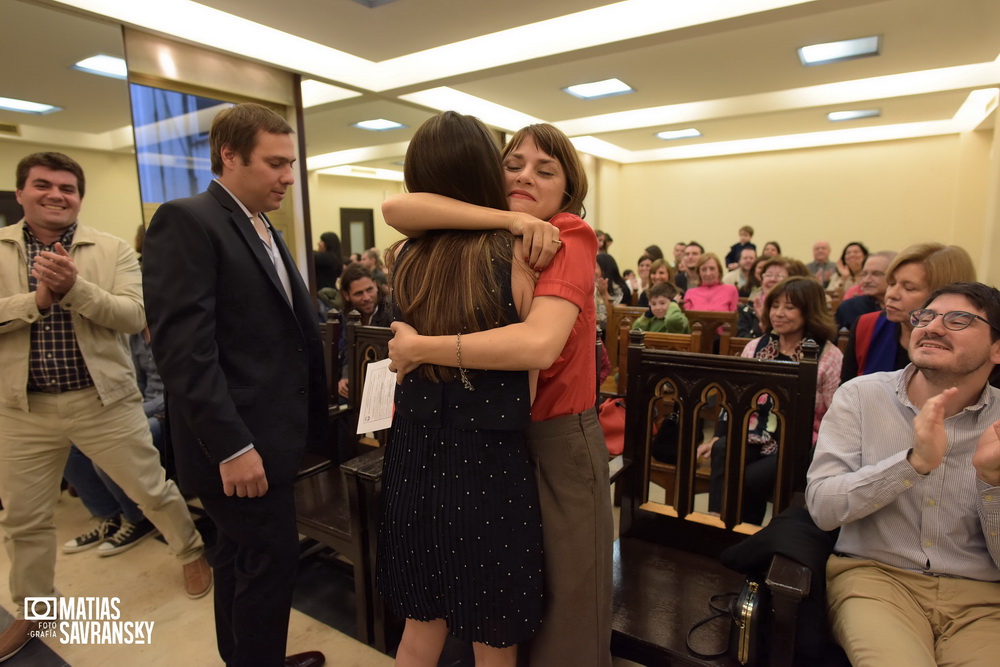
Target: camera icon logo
{"x": 40, "y": 609}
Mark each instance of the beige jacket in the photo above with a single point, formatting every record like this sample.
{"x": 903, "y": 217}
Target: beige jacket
{"x": 105, "y": 304}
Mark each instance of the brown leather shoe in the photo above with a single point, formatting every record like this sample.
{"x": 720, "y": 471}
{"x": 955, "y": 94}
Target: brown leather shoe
{"x": 307, "y": 659}
{"x": 197, "y": 578}
{"x": 15, "y": 637}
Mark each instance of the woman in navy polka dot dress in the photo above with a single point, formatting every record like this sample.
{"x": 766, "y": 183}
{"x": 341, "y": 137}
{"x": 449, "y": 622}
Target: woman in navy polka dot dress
{"x": 460, "y": 545}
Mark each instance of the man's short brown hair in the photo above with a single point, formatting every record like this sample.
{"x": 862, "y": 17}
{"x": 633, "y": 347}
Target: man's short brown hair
{"x": 237, "y": 127}
{"x": 53, "y": 161}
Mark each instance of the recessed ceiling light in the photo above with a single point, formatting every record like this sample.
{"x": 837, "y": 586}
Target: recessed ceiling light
{"x": 378, "y": 125}
{"x": 24, "y": 106}
{"x": 836, "y": 116}
{"x": 103, "y": 65}
{"x": 595, "y": 89}
{"x": 818, "y": 54}
{"x": 671, "y": 135}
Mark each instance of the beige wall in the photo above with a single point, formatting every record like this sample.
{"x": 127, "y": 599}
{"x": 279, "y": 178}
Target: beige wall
{"x": 111, "y": 202}
{"x": 886, "y": 194}
{"x": 328, "y": 194}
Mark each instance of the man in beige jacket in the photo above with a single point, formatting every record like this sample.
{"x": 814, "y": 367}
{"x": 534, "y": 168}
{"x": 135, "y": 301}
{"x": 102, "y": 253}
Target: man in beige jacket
{"x": 69, "y": 297}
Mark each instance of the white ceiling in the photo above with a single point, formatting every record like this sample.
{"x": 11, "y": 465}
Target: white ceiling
{"x": 735, "y": 78}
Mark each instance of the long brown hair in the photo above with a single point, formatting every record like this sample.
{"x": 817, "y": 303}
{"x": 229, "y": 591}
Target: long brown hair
{"x": 551, "y": 140}
{"x": 806, "y": 294}
{"x": 450, "y": 282}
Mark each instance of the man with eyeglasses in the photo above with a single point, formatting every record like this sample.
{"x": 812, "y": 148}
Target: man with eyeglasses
{"x": 908, "y": 466}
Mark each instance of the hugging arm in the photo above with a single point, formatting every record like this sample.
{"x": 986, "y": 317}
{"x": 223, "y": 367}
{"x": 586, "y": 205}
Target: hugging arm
{"x": 530, "y": 345}
{"x": 416, "y": 213}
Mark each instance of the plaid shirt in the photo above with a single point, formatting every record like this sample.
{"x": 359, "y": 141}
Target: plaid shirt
{"x": 55, "y": 363}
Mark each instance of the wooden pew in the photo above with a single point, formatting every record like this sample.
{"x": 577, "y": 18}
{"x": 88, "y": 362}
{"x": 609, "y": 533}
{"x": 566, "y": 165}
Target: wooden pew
{"x": 658, "y": 341}
{"x": 619, "y": 316}
{"x": 711, "y": 321}
{"x": 337, "y": 506}
{"x": 666, "y": 558}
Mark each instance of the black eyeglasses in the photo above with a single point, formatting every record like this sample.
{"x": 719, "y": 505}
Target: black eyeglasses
{"x": 955, "y": 320}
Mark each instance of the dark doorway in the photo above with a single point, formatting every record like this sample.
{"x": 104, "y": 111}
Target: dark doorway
{"x": 357, "y": 230}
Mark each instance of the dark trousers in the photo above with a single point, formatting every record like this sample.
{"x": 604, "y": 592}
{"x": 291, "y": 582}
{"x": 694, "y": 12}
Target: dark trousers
{"x": 758, "y": 481}
{"x": 254, "y": 559}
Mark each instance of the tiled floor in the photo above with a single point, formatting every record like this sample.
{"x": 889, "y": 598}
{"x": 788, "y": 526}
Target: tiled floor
{"x": 148, "y": 582}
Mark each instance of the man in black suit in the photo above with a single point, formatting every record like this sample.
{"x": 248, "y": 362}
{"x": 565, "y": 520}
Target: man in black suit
{"x": 235, "y": 337}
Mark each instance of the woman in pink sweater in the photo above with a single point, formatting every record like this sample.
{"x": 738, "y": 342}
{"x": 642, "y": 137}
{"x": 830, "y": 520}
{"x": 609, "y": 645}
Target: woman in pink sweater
{"x": 711, "y": 294}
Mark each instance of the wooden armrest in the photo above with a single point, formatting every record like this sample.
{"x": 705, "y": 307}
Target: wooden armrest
{"x": 788, "y": 578}
{"x": 367, "y": 466}
{"x": 789, "y": 583}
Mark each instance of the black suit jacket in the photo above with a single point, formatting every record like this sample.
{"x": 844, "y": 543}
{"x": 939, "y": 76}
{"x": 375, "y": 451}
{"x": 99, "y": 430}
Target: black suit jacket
{"x": 240, "y": 364}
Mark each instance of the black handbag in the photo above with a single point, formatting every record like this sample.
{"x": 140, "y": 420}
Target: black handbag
{"x": 746, "y": 613}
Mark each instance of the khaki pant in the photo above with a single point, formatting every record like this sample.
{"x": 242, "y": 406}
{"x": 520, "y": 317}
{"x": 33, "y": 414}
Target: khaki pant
{"x": 571, "y": 465}
{"x": 883, "y": 615}
{"x": 34, "y": 446}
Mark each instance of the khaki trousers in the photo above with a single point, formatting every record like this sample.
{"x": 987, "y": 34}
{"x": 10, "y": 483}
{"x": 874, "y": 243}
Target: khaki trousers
{"x": 34, "y": 446}
{"x": 571, "y": 465}
{"x": 883, "y": 615}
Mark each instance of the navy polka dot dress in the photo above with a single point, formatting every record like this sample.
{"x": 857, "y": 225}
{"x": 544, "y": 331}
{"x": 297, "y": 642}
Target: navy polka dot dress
{"x": 460, "y": 537}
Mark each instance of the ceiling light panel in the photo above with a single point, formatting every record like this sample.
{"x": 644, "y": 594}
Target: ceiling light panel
{"x": 103, "y": 65}
{"x": 673, "y": 135}
{"x": 855, "y": 114}
{"x": 378, "y": 125}
{"x": 848, "y": 49}
{"x": 25, "y": 106}
{"x": 596, "y": 89}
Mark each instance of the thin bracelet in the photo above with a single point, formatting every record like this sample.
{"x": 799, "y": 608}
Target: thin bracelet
{"x": 461, "y": 371}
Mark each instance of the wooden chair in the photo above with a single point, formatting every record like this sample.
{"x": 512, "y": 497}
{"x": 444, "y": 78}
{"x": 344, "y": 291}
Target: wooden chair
{"x": 730, "y": 345}
{"x": 711, "y": 321}
{"x": 618, "y": 316}
{"x": 657, "y": 341}
{"x": 843, "y": 336}
{"x": 337, "y": 506}
{"x": 666, "y": 558}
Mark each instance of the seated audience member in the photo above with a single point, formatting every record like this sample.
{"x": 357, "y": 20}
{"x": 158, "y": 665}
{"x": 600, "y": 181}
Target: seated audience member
{"x": 711, "y": 294}
{"x": 609, "y": 288}
{"x": 740, "y": 276}
{"x": 848, "y": 268}
{"x": 659, "y": 272}
{"x": 752, "y": 289}
{"x": 372, "y": 260}
{"x": 358, "y": 290}
{"x": 794, "y": 311}
{"x": 907, "y": 465}
{"x": 772, "y": 271}
{"x": 667, "y": 316}
{"x": 679, "y": 249}
{"x": 688, "y": 277}
{"x": 771, "y": 249}
{"x": 353, "y": 258}
{"x": 872, "y": 286}
{"x": 654, "y": 252}
{"x": 328, "y": 261}
{"x": 733, "y": 256}
{"x": 632, "y": 281}
{"x": 642, "y": 272}
{"x": 821, "y": 268}
{"x": 121, "y": 524}
{"x": 880, "y": 341}
{"x": 604, "y": 240}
